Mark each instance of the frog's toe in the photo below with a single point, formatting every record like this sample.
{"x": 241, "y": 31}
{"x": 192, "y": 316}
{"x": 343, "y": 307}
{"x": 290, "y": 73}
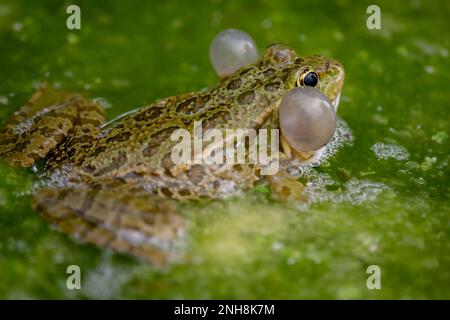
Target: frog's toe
{"x": 143, "y": 225}
{"x": 286, "y": 188}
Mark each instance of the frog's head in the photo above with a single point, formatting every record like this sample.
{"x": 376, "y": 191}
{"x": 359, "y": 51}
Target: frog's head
{"x": 305, "y": 126}
{"x": 324, "y": 74}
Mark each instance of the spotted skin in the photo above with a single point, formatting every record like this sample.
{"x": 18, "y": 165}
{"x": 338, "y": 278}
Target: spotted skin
{"x": 125, "y": 221}
{"x": 120, "y": 185}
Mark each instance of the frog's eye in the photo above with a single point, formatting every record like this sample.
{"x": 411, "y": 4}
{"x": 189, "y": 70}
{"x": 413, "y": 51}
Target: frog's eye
{"x": 309, "y": 79}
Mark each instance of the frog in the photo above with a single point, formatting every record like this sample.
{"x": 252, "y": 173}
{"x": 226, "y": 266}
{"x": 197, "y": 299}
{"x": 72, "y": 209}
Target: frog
{"x": 115, "y": 185}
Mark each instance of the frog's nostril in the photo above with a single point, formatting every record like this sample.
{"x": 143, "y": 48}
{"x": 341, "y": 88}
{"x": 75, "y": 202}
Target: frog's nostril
{"x": 230, "y": 50}
{"x": 307, "y": 119}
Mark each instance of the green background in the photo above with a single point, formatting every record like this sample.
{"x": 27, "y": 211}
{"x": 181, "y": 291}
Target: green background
{"x": 387, "y": 212}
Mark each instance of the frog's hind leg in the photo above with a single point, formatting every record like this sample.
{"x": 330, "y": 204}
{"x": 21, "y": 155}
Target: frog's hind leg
{"x": 42, "y": 124}
{"x": 135, "y": 222}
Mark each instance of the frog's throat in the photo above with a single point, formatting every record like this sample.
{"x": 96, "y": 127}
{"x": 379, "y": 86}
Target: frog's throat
{"x": 286, "y": 152}
{"x": 290, "y": 153}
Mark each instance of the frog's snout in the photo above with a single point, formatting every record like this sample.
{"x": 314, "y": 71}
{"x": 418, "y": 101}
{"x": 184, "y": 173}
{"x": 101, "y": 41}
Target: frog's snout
{"x": 333, "y": 81}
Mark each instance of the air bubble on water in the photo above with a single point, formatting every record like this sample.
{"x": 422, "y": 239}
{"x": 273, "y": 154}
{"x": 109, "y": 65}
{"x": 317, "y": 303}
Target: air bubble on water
{"x": 266, "y": 23}
{"x": 373, "y": 247}
{"x": 368, "y": 241}
{"x": 358, "y": 191}
{"x": 68, "y": 73}
{"x": 428, "y": 163}
{"x": 36, "y": 84}
{"x": 277, "y": 246}
{"x": 429, "y": 69}
{"x": 137, "y": 238}
{"x": 34, "y": 168}
{"x": 426, "y": 48}
{"x": 102, "y": 102}
{"x": 291, "y": 260}
{"x": 385, "y": 151}
{"x": 120, "y": 83}
{"x": 17, "y": 26}
{"x": 4, "y": 100}
{"x": 354, "y": 191}
{"x": 18, "y": 246}
{"x": 106, "y": 280}
{"x": 378, "y": 118}
{"x": 420, "y": 181}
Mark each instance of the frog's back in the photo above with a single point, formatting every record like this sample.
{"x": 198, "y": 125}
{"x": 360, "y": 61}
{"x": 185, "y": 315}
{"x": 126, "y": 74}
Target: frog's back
{"x": 142, "y": 140}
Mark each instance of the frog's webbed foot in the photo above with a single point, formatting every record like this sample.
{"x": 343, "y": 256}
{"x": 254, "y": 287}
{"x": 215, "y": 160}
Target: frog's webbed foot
{"x": 286, "y": 188}
{"x": 134, "y": 222}
{"x": 43, "y": 123}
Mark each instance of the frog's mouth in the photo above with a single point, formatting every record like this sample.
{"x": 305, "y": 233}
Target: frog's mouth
{"x": 336, "y": 101}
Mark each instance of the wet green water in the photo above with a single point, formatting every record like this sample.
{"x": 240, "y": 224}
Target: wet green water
{"x": 393, "y": 213}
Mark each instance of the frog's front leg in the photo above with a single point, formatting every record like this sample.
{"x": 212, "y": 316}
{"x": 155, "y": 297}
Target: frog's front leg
{"x": 123, "y": 219}
{"x": 286, "y": 187}
{"x": 43, "y": 123}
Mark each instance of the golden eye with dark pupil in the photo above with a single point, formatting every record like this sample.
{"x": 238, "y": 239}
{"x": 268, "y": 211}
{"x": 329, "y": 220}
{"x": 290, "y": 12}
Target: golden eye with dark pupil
{"x": 310, "y": 79}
